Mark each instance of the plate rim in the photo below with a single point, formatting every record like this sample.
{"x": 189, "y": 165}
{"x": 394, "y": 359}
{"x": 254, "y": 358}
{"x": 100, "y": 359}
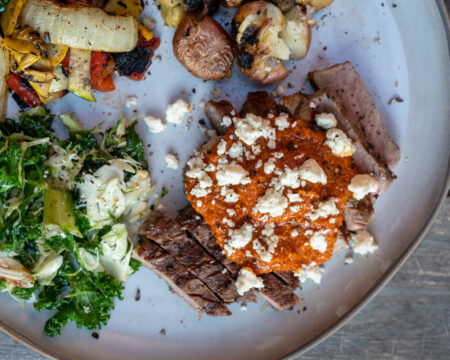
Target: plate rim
{"x": 389, "y": 274}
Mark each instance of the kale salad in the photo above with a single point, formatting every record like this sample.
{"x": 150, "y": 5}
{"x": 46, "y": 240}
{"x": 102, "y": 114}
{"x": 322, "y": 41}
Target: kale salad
{"x": 64, "y": 204}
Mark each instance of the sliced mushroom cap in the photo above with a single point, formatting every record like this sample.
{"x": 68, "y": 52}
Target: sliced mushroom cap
{"x": 258, "y": 48}
{"x": 297, "y": 33}
{"x": 203, "y": 48}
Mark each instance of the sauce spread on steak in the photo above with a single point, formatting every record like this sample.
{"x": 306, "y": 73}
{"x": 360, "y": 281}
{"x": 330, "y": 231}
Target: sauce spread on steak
{"x": 273, "y": 192}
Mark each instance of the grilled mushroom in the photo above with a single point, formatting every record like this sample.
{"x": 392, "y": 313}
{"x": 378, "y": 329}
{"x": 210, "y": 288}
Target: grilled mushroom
{"x": 203, "y": 48}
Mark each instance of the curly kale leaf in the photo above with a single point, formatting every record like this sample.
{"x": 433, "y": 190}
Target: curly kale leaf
{"x": 34, "y": 123}
{"x": 88, "y": 303}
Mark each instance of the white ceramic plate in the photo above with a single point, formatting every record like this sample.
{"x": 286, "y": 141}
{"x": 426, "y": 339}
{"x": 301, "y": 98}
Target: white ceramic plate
{"x": 399, "y": 51}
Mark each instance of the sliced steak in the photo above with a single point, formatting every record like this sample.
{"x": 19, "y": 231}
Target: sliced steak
{"x": 180, "y": 280}
{"x": 260, "y": 103}
{"x": 358, "y": 213}
{"x": 172, "y": 237}
{"x": 195, "y": 224}
{"x": 289, "y": 278}
{"x": 216, "y": 111}
{"x": 298, "y": 106}
{"x": 199, "y": 230}
{"x": 365, "y": 157}
{"x": 343, "y": 81}
{"x": 278, "y": 293}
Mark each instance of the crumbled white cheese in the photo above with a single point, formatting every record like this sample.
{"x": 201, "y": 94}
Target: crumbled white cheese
{"x": 363, "y": 243}
{"x": 326, "y": 121}
{"x": 282, "y": 122}
{"x": 236, "y": 150}
{"x": 210, "y": 168}
{"x": 198, "y": 191}
{"x": 221, "y": 147}
{"x": 294, "y": 197}
{"x": 361, "y": 185}
{"x": 252, "y": 127}
{"x": 339, "y": 143}
{"x": 171, "y": 161}
{"x": 258, "y": 164}
{"x": 131, "y": 101}
{"x": 229, "y": 194}
{"x": 312, "y": 105}
{"x": 176, "y": 112}
{"x": 229, "y": 222}
{"x": 278, "y": 155}
{"x": 231, "y": 212}
{"x": 269, "y": 166}
{"x": 295, "y": 208}
{"x": 324, "y": 210}
{"x": 240, "y": 237}
{"x": 256, "y": 149}
{"x": 154, "y": 124}
{"x": 273, "y": 203}
{"x": 226, "y": 121}
{"x": 248, "y": 280}
{"x": 289, "y": 178}
{"x": 199, "y": 203}
{"x": 309, "y": 272}
{"x": 312, "y": 172}
{"x": 294, "y": 233}
{"x": 271, "y": 144}
{"x": 319, "y": 241}
{"x": 222, "y": 161}
{"x": 232, "y": 174}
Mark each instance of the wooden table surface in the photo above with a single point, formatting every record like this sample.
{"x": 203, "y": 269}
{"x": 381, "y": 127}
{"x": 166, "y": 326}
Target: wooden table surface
{"x": 409, "y": 319}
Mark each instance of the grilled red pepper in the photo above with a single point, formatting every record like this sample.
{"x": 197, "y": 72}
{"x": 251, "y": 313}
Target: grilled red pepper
{"x": 102, "y": 66}
{"x": 23, "y": 90}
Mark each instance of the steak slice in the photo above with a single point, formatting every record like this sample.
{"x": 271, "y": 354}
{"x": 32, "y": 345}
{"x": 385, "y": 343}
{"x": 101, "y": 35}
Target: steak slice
{"x": 279, "y": 294}
{"x": 289, "y": 278}
{"x": 358, "y": 213}
{"x": 366, "y": 159}
{"x": 343, "y": 81}
{"x": 260, "y": 103}
{"x": 181, "y": 281}
{"x": 172, "y": 237}
{"x": 298, "y": 106}
{"x": 216, "y": 111}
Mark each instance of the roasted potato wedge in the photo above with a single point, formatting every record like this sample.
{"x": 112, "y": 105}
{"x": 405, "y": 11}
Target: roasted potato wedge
{"x": 297, "y": 33}
{"x": 316, "y": 4}
{"x": 258, "y": 48}
{"x": 230, "y": 4}
{"x": 203, "y": 48}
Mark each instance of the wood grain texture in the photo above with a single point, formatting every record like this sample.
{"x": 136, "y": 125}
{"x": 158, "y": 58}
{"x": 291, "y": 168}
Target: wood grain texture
{"x": 408, "y": 319}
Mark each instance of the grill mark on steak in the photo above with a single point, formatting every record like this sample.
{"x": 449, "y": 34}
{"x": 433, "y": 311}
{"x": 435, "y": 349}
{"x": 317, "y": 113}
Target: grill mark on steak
{"x": 180, "y": 280}
{"x": 279, "y": 294}
{"x": 171, "y": 236}
{"x": 200, "y": 231}
{"x": 344, "y": 82}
